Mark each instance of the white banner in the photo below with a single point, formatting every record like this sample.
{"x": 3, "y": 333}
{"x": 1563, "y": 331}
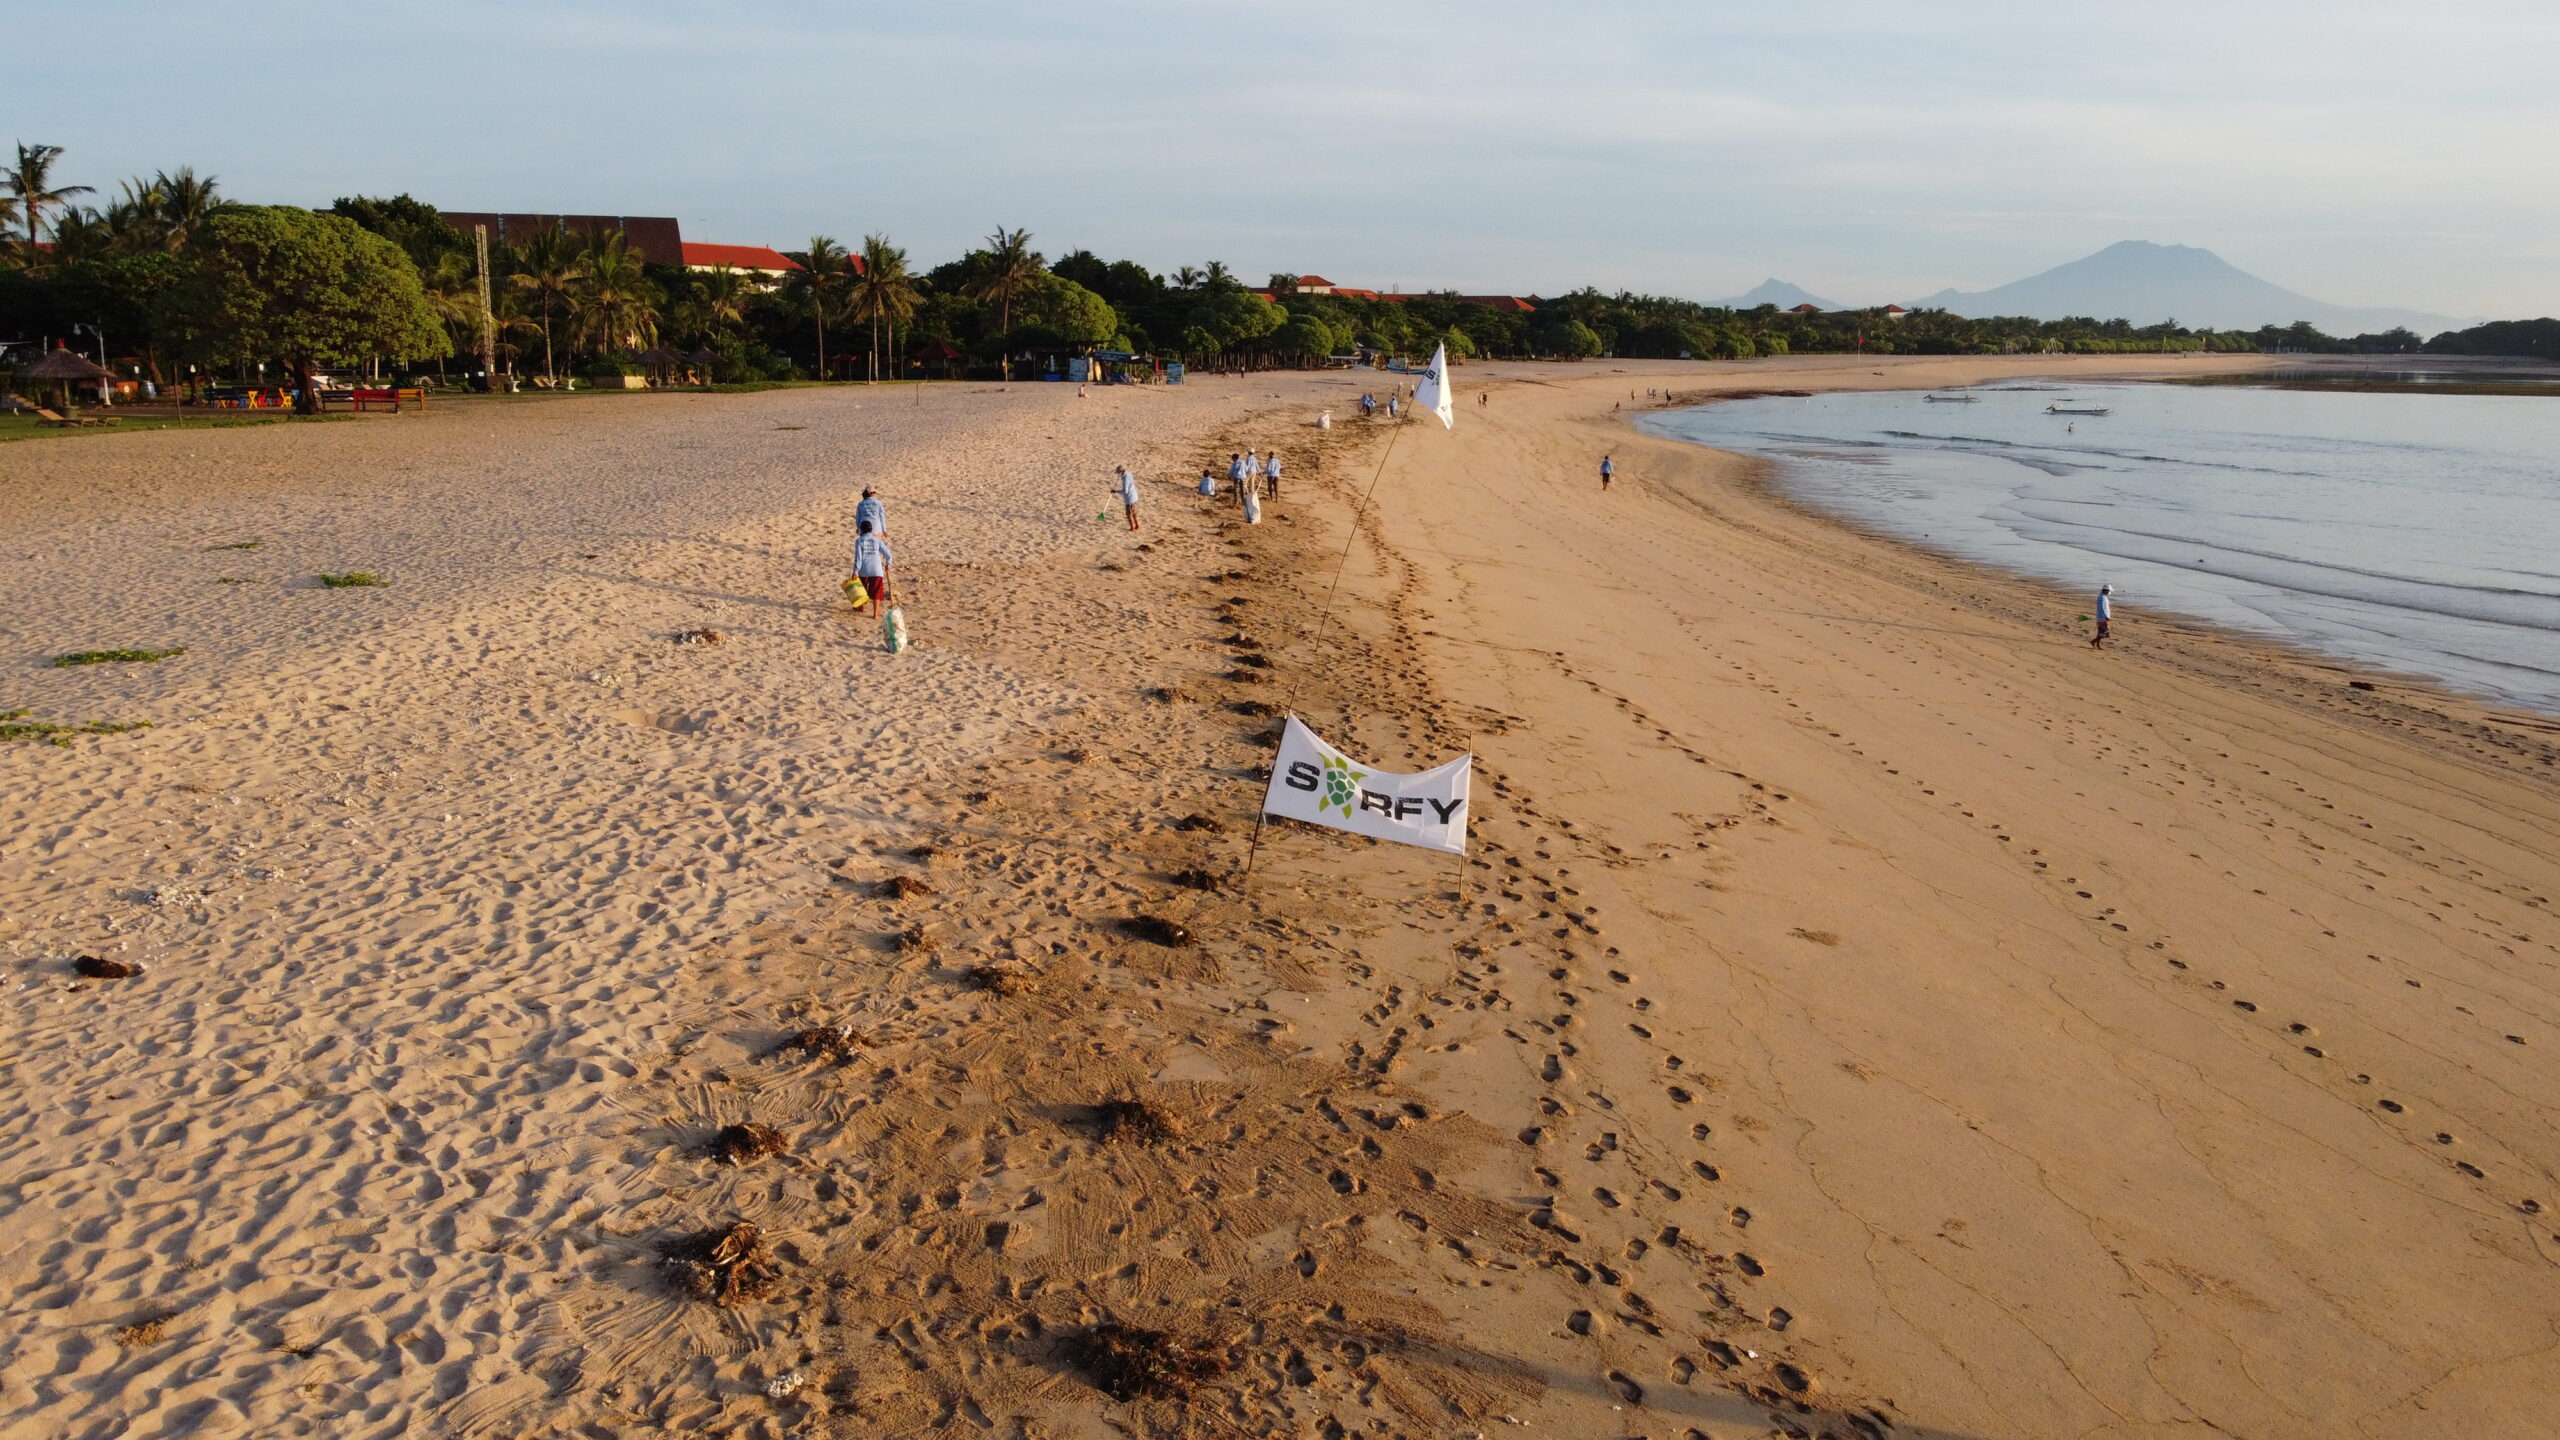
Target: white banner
{"x": 1432, "y": 392}
{"x": 1314, "y": 782}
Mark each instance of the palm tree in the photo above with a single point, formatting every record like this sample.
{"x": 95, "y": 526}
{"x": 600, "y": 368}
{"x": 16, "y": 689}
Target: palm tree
{"x": 134, "y": 222}
{"x": 819, "y": 286}
{"x": 30, "y": 183}
{"x": 547, "y": 268}
{"x": 1186, "y": 278}
{"x": 185, "y": 202}
{"x": 884, "y": 293}
{"x": 717, "y": 301}
{"x": 1010, "y": 267}
{"x": 453, "y": 292}
{"x": 617, "y": 304}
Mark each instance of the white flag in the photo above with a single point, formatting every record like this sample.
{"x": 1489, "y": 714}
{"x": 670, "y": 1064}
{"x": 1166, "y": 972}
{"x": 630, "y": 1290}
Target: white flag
{"x": 1314, "y": 782}
{"x": 1433, "y": 393}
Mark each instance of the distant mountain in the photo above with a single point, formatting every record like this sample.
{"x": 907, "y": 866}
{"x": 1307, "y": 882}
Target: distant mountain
{"x": 1778, "y": 293}
{"x": 2145, "y": 283}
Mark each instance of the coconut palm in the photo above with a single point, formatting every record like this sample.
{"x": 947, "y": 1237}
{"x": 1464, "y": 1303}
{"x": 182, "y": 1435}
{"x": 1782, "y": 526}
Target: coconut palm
{"x": 30, "y": 183}
{"x": 617, "y": 306}
{"x": 884, "y": 293}
{"x": 185, "y": 202}
{"x": 548, "y": 269}
{"x": 713, "y": 304}
{"x": 1010, "y": 267}
{"x": 134, "y": 223}
{"x": 819, "y": 286}
{"x": 453, "y": 293}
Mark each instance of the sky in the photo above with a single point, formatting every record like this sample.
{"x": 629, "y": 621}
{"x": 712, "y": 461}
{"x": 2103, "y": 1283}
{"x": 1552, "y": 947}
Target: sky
{"x": 2364, "y": 152}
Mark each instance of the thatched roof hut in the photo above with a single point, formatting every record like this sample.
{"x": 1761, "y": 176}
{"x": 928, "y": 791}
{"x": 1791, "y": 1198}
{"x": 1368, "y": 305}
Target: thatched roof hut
{"x": 60, "y": 365}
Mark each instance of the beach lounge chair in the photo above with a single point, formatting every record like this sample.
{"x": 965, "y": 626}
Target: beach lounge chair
{"x": 66, "y": 422}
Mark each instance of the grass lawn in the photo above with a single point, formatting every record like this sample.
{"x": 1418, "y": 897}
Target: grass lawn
{"x": 28, "y": 427}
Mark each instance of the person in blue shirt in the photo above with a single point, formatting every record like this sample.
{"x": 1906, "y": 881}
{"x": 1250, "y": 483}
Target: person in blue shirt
{"x": 871, "y": 561}
{"x": 1608, "y": 469}
{"x": 872, "y": 511}
{"x": 2106, "y": 615}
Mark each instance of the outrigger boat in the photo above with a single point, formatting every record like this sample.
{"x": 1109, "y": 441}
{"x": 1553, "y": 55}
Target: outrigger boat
{"x": 1954, "y": 399}
{"x": 2061, "y": 409}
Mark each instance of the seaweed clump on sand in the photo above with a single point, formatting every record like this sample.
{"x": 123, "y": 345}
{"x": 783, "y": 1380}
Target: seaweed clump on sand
{"x": 1172, "y": 934}
{"x": 903, "y": 887}
{"x": 1129, "y": 1363}
{"x": 1199, "y": 822}
{"x": 746, "y": 1144}
{"x": 827, "y": 1042}
{"x": 725, "y": 1266}
{"x": 1195, "y": 879}
{"x": 998, "y": 980}
{"x": 914, "y": 940}
{"x": 91, "y": 967}
{"x": 1133, "y": 1122}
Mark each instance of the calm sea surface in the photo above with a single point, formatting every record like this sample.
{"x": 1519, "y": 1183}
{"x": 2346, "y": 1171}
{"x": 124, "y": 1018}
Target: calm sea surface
{"x": 2418, "y": 533}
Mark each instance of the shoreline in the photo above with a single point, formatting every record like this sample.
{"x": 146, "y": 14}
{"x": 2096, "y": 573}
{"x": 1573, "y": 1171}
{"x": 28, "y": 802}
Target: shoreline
{"x": 2455, "y": 708}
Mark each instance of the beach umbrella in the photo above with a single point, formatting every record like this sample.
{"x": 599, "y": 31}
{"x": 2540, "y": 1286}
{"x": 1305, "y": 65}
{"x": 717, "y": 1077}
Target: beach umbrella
{"x": 702, "y": 359}
{"x": 63, "y": 369}
{"x": 660, "y": 359}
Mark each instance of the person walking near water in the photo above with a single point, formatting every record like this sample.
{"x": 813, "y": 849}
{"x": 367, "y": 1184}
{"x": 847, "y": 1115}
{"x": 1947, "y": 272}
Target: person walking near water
{"x": 873, "y": 511}
{"x": 2106, "y": 615}
{"x": 1128, "y": 488}
{"x": 1608, "y": 469}
{"x": 871, "y": 559}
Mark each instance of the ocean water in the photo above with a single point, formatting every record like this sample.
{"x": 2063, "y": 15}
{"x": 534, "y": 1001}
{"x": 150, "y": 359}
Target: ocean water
{"x": 2415, "y": 533}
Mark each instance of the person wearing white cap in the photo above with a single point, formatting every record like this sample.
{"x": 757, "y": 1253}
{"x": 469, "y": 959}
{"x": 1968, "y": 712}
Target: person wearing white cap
{"x": 1128, "y": 488}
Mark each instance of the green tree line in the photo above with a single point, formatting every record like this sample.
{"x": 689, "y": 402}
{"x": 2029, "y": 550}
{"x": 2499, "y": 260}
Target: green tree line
{"x": 173, "y": 274}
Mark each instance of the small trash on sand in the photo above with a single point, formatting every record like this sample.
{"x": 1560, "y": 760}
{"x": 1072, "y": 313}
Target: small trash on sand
{"x": 1170, "y": 933}
{"x": 903, "y": 887}
{"x": 998, "y": 980}
{"x": 1195, "y": 879}
{"x": 746, "y": 1144}
{"x": 1198, "y": 822}
{"x": 1128, "y": 1363}
{"x": 1132, "y": 1122}
{"x": 785, "y": 1385}
{"x": 150, "y": 1330}
{"x": 913, "y": 940}
{"x": 91, "y": 967}
{"x": 699, "y": 637}
{"x": 726, "y": 1266}
{"x": 828, "y": 1042}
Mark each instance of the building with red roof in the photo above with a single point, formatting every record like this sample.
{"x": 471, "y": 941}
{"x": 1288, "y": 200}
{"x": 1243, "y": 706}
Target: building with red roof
{"x": 761, "y": 261}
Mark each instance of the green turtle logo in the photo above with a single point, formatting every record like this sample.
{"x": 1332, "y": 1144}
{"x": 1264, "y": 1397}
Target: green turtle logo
{"x": 1340, "y": 781}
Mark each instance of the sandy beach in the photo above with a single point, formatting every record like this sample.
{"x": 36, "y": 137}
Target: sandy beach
{"x": 1867, "y": 1011}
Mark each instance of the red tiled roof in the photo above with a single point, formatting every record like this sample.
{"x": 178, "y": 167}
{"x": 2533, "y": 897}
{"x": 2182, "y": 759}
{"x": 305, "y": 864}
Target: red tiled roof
{"x": 1805, "y": 310}
{"x": 1306, "y": 280}
{"x": 1509, "y": 304}
{"x": 738, "y": 257}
